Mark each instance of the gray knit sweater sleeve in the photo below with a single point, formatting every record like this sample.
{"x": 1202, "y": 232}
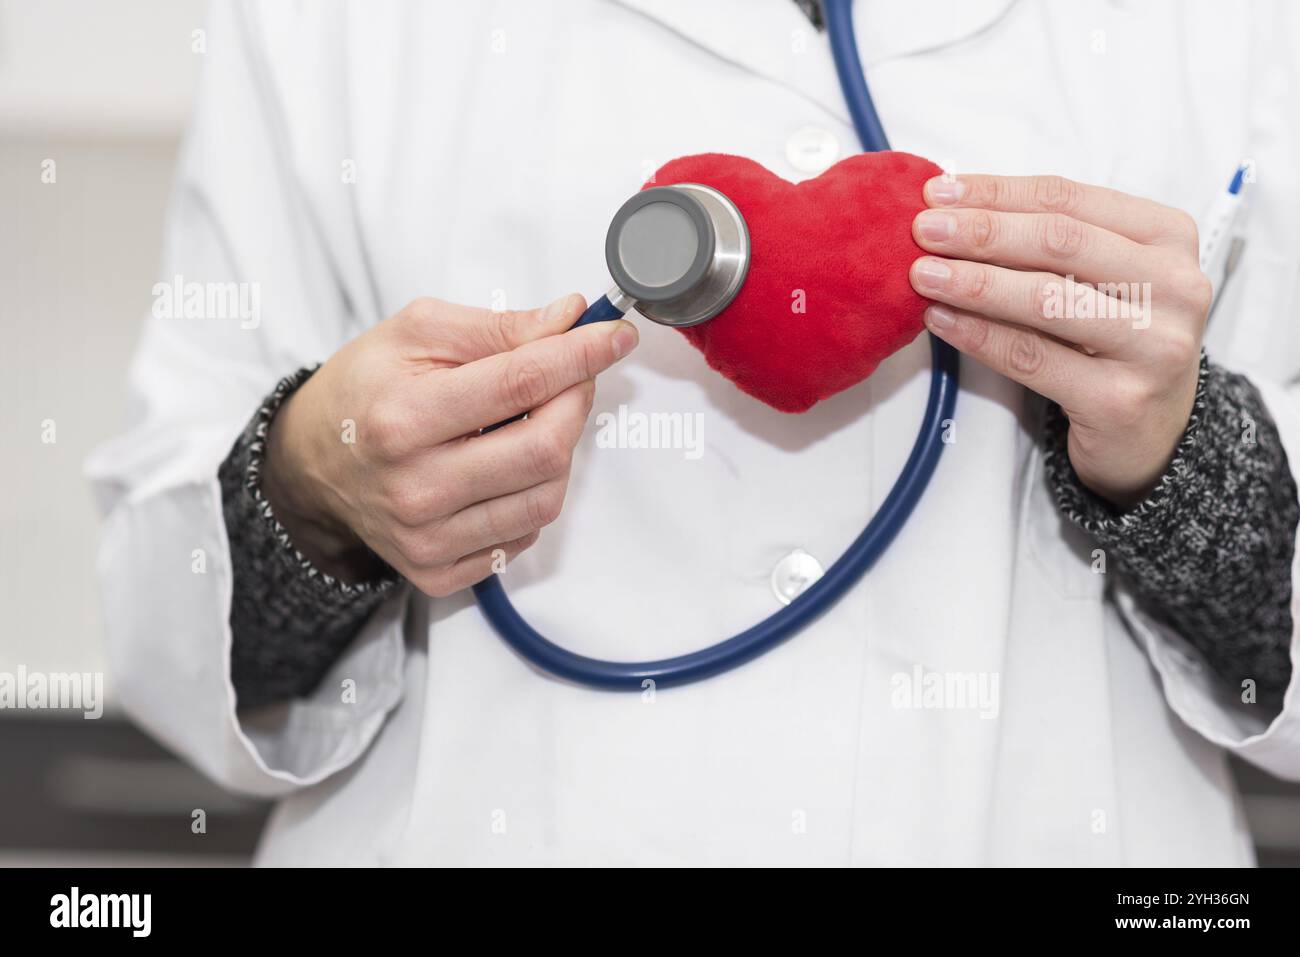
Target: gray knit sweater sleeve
{"x": 289, "y": 620}
{"x": 1209, "y": 551}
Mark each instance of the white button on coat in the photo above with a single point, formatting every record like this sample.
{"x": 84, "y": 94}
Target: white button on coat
{"x": 812, "y": 150}
{"x": 793, "y": 574}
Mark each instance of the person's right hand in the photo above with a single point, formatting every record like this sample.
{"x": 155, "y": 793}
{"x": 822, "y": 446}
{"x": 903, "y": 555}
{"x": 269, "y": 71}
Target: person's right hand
{"x": 379, "y": 450}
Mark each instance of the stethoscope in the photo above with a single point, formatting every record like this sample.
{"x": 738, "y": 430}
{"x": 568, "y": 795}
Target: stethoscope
{"x": 680, "y": 254}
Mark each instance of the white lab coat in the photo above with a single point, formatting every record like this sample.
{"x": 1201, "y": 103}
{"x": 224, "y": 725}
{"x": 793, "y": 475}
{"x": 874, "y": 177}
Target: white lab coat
{"x": 490, "y": 143}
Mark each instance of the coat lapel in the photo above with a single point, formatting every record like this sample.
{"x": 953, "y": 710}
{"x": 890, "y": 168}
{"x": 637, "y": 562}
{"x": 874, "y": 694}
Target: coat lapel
{"x": 774, "y": 39}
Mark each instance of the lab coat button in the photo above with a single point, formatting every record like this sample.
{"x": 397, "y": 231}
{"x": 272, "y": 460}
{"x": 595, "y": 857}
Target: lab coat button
{"x": 793, "y": 574}
{"x": 812, "y": 149}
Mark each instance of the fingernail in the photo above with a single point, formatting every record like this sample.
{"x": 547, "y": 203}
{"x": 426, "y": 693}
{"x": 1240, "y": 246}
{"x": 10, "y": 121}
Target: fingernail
{"x": 937, "y": 317}
{"x": 935, "y": 225}
{"x": 944, "y": 190}
{"x": 933, "y": 273}
{"x": 624, "y": 339}
{"x": 555, "y": 309}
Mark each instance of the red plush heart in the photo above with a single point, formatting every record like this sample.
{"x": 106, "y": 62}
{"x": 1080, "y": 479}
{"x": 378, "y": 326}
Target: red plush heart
{"x": 827, "y": 296}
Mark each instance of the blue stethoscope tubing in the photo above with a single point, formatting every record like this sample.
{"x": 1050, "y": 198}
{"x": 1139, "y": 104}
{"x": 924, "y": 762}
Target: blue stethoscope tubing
{"x": 860, "y": 556}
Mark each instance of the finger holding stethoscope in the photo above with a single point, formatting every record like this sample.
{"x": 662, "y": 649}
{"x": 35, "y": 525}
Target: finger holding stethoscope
{"x": 1092, "y": 298}
{"x": 510, "y": 485}
{"x": 410, "y": 479}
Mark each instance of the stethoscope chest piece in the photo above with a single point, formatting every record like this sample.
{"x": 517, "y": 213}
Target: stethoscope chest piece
{"x": 681, "y": 252}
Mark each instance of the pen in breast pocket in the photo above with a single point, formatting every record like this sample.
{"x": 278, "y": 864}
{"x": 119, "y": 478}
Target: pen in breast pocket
{"x": 1221, "y": 244}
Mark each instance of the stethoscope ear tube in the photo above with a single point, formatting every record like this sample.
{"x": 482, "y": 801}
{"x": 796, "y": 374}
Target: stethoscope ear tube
{"x": 853, "y": 81}
{"x": 860, "y": 556}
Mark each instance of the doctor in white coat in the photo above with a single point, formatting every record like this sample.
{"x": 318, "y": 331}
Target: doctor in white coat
{"x": 350, "y": 159}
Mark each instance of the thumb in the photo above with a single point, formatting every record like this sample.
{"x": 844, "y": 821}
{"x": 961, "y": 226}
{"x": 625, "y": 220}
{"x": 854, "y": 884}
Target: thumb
{"x": 484, "y": 332}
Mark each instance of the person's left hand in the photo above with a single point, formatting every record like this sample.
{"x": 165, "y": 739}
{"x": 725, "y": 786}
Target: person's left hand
{"x": 1029, "y": 275}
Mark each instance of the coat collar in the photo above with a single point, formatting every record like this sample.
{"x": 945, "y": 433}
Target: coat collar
{"x": 774, "y": 39}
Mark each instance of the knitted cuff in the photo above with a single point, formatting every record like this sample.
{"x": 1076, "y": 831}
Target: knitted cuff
{"x": 1209, "y": 551}
{"x": 290, "y": 620}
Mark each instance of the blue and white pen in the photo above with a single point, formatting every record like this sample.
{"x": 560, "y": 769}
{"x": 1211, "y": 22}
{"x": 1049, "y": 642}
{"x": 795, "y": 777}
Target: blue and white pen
{"x": 1221, "y": 244}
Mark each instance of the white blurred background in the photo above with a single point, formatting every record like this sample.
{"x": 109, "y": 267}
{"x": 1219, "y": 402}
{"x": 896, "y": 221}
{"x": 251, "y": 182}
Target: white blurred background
{"x": 102, "y": 88}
